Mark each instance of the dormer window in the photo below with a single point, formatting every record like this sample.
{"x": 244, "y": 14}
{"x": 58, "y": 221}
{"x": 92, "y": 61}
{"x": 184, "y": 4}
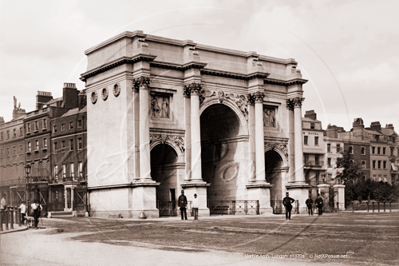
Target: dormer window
{"x": 311, "y": 125}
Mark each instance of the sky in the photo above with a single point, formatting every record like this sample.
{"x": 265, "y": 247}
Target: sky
{"x": 348, "y": 50}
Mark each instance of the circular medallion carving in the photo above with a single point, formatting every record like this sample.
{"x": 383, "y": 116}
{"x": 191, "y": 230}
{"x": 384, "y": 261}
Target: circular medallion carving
{"x": 117, "y": 90}
{"x": 94, "y": 97}
{"x": 104, "y": 94}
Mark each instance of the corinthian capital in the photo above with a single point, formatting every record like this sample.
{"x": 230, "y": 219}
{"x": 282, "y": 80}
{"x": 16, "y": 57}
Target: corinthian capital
{"x": 192, "y": 88}
{"x": 290, "y": 104}
{"x": 258, "y": 96}
{"x": 141, "y": 83}
{"x": 298, "y": 101}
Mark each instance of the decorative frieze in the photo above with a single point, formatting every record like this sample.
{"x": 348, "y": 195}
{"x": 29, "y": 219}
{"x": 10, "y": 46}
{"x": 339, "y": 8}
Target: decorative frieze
{"x": 277, "y": 145}
{"x": 174, "y": 140}
{"x": 160, "y": 106}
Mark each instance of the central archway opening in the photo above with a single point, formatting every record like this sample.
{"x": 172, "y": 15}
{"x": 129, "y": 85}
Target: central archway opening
{"x": 164, "y": 170}
{"x": 219, "y": 131}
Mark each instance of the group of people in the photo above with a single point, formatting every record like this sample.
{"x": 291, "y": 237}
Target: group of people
{"x": 287, "y": 202}
{"x": 182, "y": 203}
{"x": 36, "y": 208}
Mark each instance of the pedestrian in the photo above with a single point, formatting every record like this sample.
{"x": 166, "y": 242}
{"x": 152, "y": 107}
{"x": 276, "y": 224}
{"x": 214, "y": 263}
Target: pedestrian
{"x": 287, "y": 202}
{"x": 182, "y": 203}
{"x": 23, "y": 212}
{"x": 3, "y": 203}
{"x": 309, "y": 203}
{"x": 195, "y": 207}
{"x": 36, "y": 207}
{"x": 319, "y": 203}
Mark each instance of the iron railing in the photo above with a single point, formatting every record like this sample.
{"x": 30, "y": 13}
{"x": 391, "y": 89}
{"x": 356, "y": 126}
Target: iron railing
{"x": 279, "y": 208}
{"x": 234, "y": 207}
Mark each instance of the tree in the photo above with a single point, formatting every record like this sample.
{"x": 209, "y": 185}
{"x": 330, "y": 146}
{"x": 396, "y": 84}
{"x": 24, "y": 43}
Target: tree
{"x": 350, "y": 170}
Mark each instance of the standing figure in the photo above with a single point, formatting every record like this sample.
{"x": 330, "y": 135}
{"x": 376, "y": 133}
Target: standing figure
{"x": 3, "y": 203}
{"x": 23, "y": 212}
{"x": 36, "y": 207}
{"x": 319, "y": 204}
{"x": 195, "y": 207}
{"x": 309, "y": 203}
{"x": 182, "y": 203}
{"x": 165, "y": 108}
{"x": 287, "y": 202}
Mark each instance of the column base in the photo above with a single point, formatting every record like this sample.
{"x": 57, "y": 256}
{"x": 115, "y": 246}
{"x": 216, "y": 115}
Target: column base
{"x": 299, "y": 192}
{"x": 201, "y": 190}
{"x": 260, "y": 192}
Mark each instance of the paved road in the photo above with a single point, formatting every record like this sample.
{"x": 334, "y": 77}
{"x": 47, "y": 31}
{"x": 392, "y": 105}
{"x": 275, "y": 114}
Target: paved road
{"x": 39, "y": 247}
{"x": 213, "y": 241}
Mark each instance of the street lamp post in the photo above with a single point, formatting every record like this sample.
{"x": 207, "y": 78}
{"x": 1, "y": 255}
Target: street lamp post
{"x": 27, "y": 171}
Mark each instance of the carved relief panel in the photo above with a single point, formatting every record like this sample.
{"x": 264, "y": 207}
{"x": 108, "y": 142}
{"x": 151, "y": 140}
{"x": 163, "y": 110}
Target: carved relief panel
{"x": 269, "y": 116}
{"x": 160, "y": 106}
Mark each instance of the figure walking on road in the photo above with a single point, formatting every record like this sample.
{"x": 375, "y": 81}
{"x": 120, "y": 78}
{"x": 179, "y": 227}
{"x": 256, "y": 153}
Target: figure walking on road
{"x": 182, "y": 203}
{"x": 309, "y": 203}
{"x": 195, "y": 207}
{"x": 3, "y": 203}
{"x": 287, "y": 202}
{"x": 36, "y": 207}
{"x": 319, "y": 204}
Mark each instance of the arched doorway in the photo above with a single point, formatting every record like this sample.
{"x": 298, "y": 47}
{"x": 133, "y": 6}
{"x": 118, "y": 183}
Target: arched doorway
{"x": 219, "y": 131}
{"x": 273, "y": 164}
{"x": 164, "y": 171}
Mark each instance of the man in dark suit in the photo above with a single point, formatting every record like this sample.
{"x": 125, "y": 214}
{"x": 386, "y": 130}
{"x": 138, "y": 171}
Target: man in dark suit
{"x": 182, "y": 203}
{"x": 309, "y": 203}
{"x": 319, "y": 204}
{"x": 287, "y": 202}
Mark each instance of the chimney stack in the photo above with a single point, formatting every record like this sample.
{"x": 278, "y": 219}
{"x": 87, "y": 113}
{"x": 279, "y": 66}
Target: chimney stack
{"x": 70, "y": 95}
{"x": 311, "y": 114}
{"x": 42, "y": 98}
{"x": 375, "y": 126}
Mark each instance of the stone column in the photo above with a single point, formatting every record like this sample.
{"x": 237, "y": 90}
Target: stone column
{"x": 291, "y": 144}
{"x": 196, "y": 171}
{"x": 340, "y": 198}
{"x": 142, "y": 84}
{"x": 66, "y": 198}
{"x": 299, "y": 176}
{"x": 259, "y": 139}
{"x": 252, "y": 145}
{"x": 187, "y": 122}
{"x": 72, "y": 197}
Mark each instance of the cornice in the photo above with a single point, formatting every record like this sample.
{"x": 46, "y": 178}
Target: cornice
{"x": 228, "y": 74}
{"x": 115, "y": 63}
{"x": 285, "y": 82}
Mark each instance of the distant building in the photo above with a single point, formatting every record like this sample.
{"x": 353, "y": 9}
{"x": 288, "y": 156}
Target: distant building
{"x": 333, "y": 147}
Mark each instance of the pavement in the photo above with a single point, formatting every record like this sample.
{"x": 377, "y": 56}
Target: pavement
{"x": 17, "y": 228}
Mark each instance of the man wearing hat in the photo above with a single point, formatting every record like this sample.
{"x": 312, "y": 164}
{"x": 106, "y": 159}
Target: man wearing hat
{"x": 182, "y": 202}
{"x": 287, "y": 202}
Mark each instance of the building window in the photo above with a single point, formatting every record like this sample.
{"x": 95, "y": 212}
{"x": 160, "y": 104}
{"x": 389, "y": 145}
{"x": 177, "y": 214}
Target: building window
{"x": 311, "y": 125}
{"x": 80, "y": 143}
{"x": 379, "y": 164}
{"x": 15, "y": 150}
{"x": 62, "y": 127}
{"x": 63, "y": 171}
{"x": 71, "y": 144}
{"x": 55, "y": 146}
{"x": 55, "y": 129}
{"x": 37, "y": 145}
{"x": 21, "y": 149}
{"x": 1, "y": 135}
{"x": 392, "y": 150}
{"x": 36, "y": 126}
{"x": 20, "y": 131}
{"x": 45, "y": 143}
{"x": 15, "y": 132}
{"x": 363, "y": 164}
{"x": 79, "y": 123}
{"x": 363, "y": 151}
{"x": 29, "y": 147}
{"x": 329, "y": 162}
{"x": 8, "y": 134}
{"x": 44, "y": 123}
{"x": 305, "y": 140}
{"x": 80, "y": 169}
{"x": 373, "y": 164}
{"x": 373, "y": 150}
{"x": 306, "y": 157}
{"x": 338, "y": 148}
{"x": 56, "y": 172}
{"x": 316, "y": 141}
{"x": 383, "y": 150}
{"x": 379, "y": 150}
{"x": 351, "y": 149}
{"x": 28, "y": 128}
{"x": 385, "y": 164}
{"x": 63, "y": 144}
{"x": 70, "y": 125}
{"x": 72, "y": 171}
{"x": 328, "y": 147}
{"x": 316, "y": 159}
